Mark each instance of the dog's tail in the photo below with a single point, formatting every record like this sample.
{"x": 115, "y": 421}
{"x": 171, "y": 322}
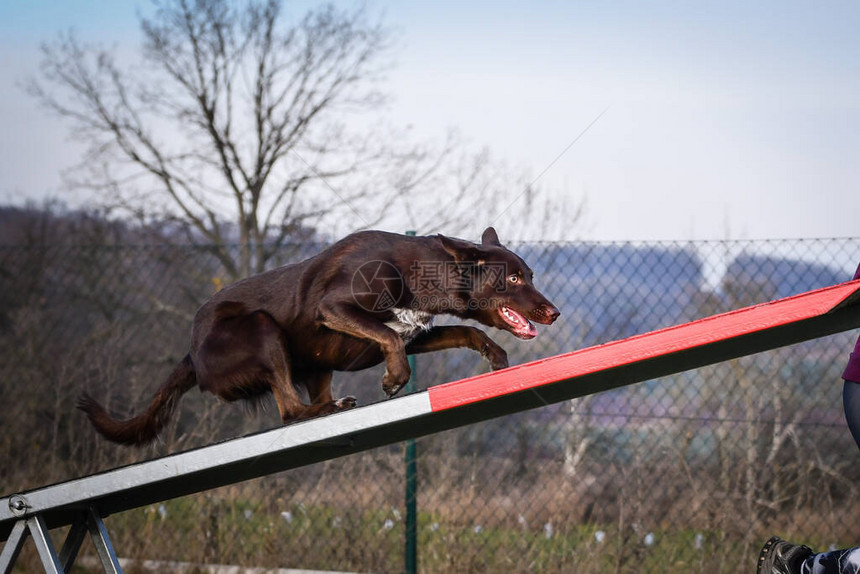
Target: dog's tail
{"x": 143, "y": 428}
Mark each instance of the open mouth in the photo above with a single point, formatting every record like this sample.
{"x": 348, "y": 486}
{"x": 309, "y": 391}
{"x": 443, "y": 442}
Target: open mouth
{"x": 520, "y": 326}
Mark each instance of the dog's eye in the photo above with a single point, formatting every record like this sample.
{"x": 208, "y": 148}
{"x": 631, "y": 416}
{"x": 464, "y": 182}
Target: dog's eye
{"x": 514, "y": 278}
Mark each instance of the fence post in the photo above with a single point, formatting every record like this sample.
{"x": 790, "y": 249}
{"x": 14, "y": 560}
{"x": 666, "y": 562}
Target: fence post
{"x": 411, "y": 550}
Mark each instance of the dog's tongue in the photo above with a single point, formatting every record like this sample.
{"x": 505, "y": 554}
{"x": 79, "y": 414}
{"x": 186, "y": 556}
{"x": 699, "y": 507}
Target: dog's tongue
{"x": 521, "y": 327}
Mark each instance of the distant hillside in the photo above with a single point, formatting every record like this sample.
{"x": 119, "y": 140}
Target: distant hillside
{"x": 780, "y": 277}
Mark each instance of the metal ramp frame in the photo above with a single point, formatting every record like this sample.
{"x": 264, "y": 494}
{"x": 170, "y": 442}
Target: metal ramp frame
{"x": 83, "y": 502}
{"x": 58, "y": 563}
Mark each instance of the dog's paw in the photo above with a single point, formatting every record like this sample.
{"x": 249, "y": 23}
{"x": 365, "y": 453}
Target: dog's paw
{"x": 496, "y": 356}
{"x": 391, "y": 384}
{"x": 347, "y": 402}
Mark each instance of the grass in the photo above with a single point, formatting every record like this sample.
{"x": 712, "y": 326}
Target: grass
{"x": 247, "y": 533}
{"x": 259, "y": 533}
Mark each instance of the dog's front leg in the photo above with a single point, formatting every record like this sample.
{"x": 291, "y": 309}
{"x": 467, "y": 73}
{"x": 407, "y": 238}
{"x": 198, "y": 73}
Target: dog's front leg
{"x": 453, "y": 336}
{"x": 351, "y": 320}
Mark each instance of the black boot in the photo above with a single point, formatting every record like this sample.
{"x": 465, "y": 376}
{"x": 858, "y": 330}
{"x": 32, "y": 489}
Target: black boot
{"x": 781, "y": 557}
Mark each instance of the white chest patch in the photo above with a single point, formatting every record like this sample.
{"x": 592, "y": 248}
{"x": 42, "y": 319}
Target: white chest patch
{"x": 409, "y": 322}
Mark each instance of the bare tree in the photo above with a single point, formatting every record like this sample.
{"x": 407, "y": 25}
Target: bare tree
{"x": 231, "y": 122}
{"x": 249, "y": 128}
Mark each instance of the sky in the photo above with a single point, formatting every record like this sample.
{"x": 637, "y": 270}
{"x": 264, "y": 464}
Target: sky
{"x": 688, "y": 120}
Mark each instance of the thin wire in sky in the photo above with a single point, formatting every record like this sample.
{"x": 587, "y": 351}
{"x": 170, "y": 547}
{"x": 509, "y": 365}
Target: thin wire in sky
{"x": 552, "y": 163}
{"x": 331, "y": 187}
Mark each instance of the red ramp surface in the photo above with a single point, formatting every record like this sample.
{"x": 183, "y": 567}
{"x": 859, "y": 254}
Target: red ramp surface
{"x": 701, "y": 333}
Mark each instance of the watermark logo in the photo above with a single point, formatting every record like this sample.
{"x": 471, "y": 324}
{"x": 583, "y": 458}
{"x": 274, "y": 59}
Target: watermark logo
{"x": 377, "y": 286}
{"x": 444, "y": 276}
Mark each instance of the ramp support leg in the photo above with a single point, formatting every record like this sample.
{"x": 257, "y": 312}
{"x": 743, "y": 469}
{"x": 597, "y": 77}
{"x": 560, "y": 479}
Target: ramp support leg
{"x": 13, "y": 546}
{"x": 53, "y": 563}
{"x": 42, "y": 539}
{"x": 102, "y": 542}
{"x": 72, "y": 545}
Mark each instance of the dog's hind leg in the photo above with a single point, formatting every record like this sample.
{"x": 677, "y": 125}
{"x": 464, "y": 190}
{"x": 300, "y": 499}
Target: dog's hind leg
{"x": 245, "y": 355}
{"x": 318, "y": 385}
{"x": 282, "y": 381}
{"x": 242, "y": 356}
{"x": 276, "y": 361}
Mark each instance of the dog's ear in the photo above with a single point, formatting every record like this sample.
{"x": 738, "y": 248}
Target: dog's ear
{"x": 490, "y": 238}
{"x": 461, "y": 250}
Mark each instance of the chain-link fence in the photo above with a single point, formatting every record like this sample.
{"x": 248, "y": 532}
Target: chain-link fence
{"x": 691, "y": 472}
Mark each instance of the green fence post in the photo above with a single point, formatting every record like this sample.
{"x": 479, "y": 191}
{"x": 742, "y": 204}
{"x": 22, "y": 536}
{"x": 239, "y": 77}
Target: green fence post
{"x": 411, "y": 551}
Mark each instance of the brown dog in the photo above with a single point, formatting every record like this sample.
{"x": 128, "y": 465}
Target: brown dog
{"x": 369, "y": 297}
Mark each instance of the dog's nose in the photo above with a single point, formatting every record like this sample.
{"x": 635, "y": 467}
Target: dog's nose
{"x": 551, "y": 312}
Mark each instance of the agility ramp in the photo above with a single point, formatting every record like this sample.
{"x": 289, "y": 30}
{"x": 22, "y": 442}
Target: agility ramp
{"x": 83, "y": 502}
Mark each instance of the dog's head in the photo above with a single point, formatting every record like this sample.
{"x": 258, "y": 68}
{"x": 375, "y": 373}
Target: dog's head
{"x": 496, "y": 286}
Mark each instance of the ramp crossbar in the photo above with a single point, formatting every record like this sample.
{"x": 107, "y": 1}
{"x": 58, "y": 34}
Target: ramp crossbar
{"x": 83, "y": 502}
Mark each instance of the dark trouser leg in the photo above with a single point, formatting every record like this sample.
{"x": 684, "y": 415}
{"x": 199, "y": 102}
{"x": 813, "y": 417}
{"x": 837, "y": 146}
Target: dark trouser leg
{"x": 837, "y": 562}
{"x": 851, "y": 403}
